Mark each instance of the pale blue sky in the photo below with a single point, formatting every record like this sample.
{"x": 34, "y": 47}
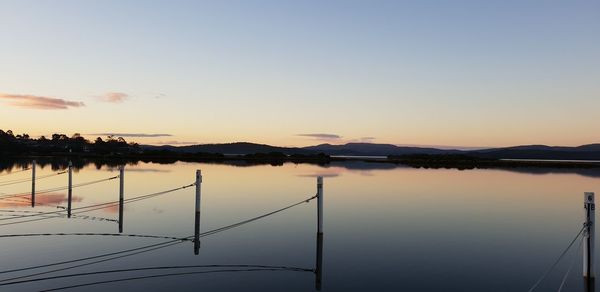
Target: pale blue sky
{"x": 472, "y": 73}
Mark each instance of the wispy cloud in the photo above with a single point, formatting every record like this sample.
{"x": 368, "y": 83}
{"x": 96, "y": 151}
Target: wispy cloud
{"x": 175, "y": 143}
{"x": 39, "y": 102}
{"x": 137, "y": 135}
{"x": 113, "y": 97}
{"x": 321, "y": 136}
{"x": 363, "y": 140}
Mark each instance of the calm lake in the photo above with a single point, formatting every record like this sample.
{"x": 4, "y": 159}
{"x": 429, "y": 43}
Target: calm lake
{"x": 386, "y": 228}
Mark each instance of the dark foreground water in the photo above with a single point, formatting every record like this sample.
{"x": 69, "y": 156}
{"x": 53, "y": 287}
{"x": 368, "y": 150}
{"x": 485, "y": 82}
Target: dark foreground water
{"x": 385, "y": 229}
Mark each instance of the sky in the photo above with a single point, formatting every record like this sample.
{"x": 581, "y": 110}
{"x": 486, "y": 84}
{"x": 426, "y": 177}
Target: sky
{"x": 296, "y": 73}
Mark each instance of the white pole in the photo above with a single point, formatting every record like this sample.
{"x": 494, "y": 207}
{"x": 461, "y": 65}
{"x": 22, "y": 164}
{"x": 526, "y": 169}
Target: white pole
{"x": 33, "y": 183}
{"x": 589, "y": 236}
{"x": 320, "y": 204}
{"x": 121, "y": 196}
{"x": 197, "y": 216}
{"x": 70, "y": 192}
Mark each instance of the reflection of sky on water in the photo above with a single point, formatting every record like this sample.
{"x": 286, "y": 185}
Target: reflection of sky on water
{"x": 395, "y": 229}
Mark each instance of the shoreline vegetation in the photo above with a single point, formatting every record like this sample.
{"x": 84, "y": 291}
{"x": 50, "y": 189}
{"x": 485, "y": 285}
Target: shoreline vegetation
{"x": 18, "y": 149}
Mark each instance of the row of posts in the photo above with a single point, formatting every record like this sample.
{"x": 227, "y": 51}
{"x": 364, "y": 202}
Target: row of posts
{"x": 319, "y": 257}
{"x": 70, "y": 190}
{"x": 588, "y": 235}
{"x": 198, "y": 184}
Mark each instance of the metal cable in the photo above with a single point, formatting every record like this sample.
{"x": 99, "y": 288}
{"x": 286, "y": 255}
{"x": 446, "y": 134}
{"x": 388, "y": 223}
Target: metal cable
{"x": 141, "y": 249}
{"x": 564, "y": 279}
{"x": 287, "y": 268}
{"x": 7, "y": 183}
{"x": 557, "y": 260}
{"x": 13, "y": 172}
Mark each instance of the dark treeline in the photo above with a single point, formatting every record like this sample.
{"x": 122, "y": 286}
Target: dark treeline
{"x": 462, "y": 161}
{"x": 61, "y": 143}
{"x": 116, "y": 149}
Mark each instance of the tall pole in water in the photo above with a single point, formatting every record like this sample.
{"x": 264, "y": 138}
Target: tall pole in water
{"x": 319, "y": 259}
{"x": 588, "y": 241}
{"x": 197, "y": 217}
{"x": 70, "y": 192}
{"x": 121, "y": 195}
{"x": 33, "y": 183}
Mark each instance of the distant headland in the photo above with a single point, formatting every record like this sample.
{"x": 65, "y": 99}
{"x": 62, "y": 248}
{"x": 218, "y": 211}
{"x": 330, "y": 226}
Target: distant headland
{"x": 111, "y": 148}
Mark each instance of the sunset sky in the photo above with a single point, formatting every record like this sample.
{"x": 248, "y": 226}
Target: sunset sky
{"x": 295, "y": 73}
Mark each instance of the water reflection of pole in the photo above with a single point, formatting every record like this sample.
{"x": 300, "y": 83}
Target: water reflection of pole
{"x": 588, "y": 242}
{"x": 197, "y": 217}
{"x": 319, "y": 264}
{"x": 70, "y": 192}
{"x": 319, "y": 259}
{"x": 33, "y": 183}
{"x": 121, "y": 196}
{"x": 320, "y": 205}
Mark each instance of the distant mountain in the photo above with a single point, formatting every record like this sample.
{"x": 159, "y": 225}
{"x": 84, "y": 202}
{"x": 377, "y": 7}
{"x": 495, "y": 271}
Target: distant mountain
{"x": 231, "y": 148}
{"x": 584, "y": 152}
{"x": 369, "y": 149}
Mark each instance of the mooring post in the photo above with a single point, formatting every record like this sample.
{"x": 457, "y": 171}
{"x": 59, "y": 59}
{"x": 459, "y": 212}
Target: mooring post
{"x": 197, "y": 218}
{"x": 70, "y": 192}
{"x": 319, "y": 259}
{"x": 588, "y": 240}
{"x": 320, "y": 205}
{"x": 33, "y": 183}
{"x": 121, "y": 195}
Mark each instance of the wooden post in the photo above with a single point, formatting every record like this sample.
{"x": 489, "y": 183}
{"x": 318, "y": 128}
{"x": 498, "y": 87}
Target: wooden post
{"x": 320, "y": 205}
{"x": 197, "y": 216}
{"x": 33, "y": 183}
{"x": 588, "y": 239}
{"x": 121, "y": 196}
{"x": 70, "y": 192}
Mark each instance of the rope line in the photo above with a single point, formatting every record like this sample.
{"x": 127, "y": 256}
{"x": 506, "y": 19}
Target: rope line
{"x": 17, "y": 171}
{"x": 161, "y": 276}
{"x": 58, "y": 188}
{"x": 92, "y": 234}
{"x": 84, "y": 217}
{"x": 90, "y": 207}
{"x": 287, "y": 268}
{"x": 142, "y": 249}
{"x": 564, "y": 279}
{"x": 63, "y": 208}
{"x": 18, "y": 181}
{"x": 557, "y": 260}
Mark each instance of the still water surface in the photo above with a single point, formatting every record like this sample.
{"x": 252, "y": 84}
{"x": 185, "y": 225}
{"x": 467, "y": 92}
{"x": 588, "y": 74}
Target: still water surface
{"x": 385, "y": 229}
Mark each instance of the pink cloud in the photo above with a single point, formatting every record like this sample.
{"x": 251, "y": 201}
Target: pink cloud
{"x": 39, "y": 102}
{"x": 114, "y": 97}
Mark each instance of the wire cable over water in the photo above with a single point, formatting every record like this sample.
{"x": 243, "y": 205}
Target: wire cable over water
{"x": 92, "y": 234}
{"x": 167, "y": 275}
{"x": 45, "y": 191}
{"x": 557, "y": 260}
{"x": 141, "y": 249}
{"x": 18, "y": 181}
{"x": 16, "y": 171}
{"x": 286, "y": 268}
{"x": 91, "y": 207}
{"x": 564, "y": 279}
{"x": 83, "y": 217}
